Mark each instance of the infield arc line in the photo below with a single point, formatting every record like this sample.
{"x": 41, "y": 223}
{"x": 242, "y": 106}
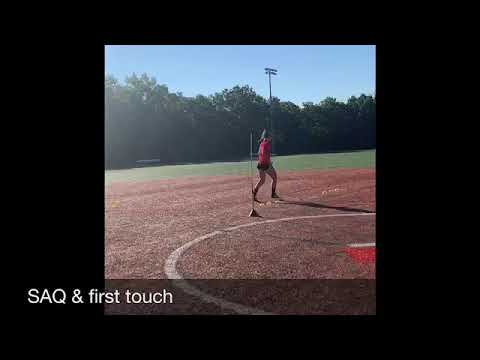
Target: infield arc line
{"x": 173, "y": 274}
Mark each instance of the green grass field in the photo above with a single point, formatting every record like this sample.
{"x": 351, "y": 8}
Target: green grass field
{"x": 357, "y": 159}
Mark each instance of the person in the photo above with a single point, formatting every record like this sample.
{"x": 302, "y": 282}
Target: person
{"x": 265, "y": 165}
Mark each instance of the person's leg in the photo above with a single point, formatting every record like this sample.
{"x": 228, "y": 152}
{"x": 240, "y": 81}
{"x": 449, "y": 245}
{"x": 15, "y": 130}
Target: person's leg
{"x": 273, "y": 174}
{"x": 261, "y": 174}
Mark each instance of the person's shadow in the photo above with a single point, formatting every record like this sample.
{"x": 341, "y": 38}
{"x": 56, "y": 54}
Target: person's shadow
{"x": 323, "y": 206}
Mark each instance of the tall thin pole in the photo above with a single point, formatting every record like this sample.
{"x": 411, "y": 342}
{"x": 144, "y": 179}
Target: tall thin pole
{"x": 271, "y": 72}
{"x": 251, "y": 164}
{"x": 271, "y": 113}
{"x": 270, "y": 83}
{"x": 253, "y": 213}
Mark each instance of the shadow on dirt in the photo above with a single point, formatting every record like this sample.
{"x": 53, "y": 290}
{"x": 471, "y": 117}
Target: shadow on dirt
{"x": 323, "y": 206}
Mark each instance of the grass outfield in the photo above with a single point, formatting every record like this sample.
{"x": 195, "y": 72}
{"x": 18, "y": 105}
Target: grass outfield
{"x": 357, "y": 159}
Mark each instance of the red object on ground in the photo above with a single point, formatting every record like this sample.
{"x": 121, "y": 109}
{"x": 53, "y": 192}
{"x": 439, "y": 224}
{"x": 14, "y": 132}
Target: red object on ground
{"x": 362, "y": 255}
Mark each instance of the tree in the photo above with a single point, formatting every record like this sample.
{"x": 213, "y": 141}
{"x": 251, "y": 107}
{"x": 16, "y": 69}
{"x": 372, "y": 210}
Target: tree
{"x": 143, "y": 120}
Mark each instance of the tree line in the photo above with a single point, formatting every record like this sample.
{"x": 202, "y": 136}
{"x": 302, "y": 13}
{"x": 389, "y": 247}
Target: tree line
{"x": 143, "y": 120}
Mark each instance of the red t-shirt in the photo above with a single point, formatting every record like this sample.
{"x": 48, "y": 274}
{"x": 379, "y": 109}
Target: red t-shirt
{"x": 264, "y": 153}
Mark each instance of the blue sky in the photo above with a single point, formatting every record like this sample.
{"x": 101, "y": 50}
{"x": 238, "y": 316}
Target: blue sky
{"x": 305, "y": 73}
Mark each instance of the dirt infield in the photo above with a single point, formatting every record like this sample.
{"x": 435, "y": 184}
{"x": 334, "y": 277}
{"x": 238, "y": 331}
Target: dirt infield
{"x": 312, "y": 248}
{"x": 146, "y": 222}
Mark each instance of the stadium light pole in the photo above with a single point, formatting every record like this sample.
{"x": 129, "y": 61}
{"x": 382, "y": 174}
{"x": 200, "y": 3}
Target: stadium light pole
{"x": 271, "y": 72}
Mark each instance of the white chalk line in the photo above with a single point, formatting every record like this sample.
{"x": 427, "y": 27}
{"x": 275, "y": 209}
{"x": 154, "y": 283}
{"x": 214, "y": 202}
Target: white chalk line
{"x": 359, "y": 245}
{"x": 172, "y": 273}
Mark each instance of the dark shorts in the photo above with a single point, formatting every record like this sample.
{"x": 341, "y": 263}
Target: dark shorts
{"x": 264, "y": 167}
